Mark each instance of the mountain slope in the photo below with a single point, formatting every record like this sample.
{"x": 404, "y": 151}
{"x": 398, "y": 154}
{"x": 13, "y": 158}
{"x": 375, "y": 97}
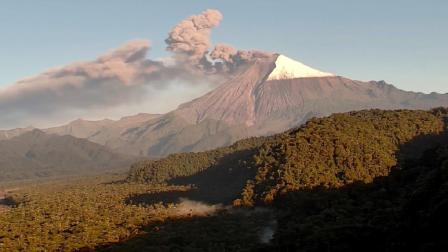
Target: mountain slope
{"x": 37, "y": 154}
{"x": 251, "y": 105}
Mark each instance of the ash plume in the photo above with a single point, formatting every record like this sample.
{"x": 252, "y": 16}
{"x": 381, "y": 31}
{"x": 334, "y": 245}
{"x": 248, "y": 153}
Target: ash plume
{"x": 121, "y": 77}
{"x": 224, "y": 52}
{"x": 189, "y": 39}
{"x": 232, "y": 58}
{"x": 124, "y": 77}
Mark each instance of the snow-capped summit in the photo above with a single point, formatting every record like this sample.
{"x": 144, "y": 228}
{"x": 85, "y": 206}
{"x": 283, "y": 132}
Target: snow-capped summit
{"x": 286, "y": 68}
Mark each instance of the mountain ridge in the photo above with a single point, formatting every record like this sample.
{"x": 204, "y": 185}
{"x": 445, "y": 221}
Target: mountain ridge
{"x": 36, "y": 154}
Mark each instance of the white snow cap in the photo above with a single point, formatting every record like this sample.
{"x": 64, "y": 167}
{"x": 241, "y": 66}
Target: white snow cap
{"x": 286, "y": 68}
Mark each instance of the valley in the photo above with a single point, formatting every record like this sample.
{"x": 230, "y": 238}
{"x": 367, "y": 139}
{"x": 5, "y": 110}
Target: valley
{"x": 230, "y": 198}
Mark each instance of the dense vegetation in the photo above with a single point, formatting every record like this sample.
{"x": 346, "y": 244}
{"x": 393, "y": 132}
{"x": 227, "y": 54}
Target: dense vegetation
{"x": 405, "y": 211}
{"x": 209, "y": 171}
{"x": 64, "y": 216}
{"x": 223, "y": 231}
{"x": 327, "y": 152}
{"x": 97, "y": 213}
{"x": 362, "y": 181}
{"x": 335, "y": 151}
{"x": 187, "y": 164}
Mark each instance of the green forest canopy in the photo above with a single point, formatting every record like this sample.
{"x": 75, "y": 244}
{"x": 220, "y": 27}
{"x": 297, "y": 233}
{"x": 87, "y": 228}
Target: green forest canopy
{"x": 325, "y": 152}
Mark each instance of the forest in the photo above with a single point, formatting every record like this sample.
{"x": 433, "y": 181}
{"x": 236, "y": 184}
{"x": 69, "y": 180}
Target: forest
{"x": 370, "y": 180}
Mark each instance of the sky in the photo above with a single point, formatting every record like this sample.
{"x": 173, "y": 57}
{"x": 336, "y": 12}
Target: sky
{"x": 401, "y": 42}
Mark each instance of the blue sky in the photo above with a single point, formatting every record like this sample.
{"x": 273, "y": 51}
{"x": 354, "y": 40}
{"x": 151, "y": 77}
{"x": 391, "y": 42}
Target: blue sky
{"x": 402, "y": 42}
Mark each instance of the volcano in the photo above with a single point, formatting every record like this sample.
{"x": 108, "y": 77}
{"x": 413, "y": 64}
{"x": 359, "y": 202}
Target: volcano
{"x": 265, "y": 96}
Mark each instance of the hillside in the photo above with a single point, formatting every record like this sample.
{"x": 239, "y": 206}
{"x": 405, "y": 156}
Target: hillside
{"x": 36, "y": 154}
{"x": 7, "y": 134}
{"x": 404, "y": 211}
{"x": 339, "y": 150}
{"x": 371, "y": 180}
{"x": 330, "y": 152}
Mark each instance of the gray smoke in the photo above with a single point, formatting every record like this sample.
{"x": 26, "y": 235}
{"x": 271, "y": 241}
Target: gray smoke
{"x": 188, "y": 207}
{"x": 266, "y": 219}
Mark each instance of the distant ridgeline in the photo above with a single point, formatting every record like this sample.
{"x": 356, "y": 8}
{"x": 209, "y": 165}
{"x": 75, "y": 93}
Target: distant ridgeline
{"x": 371, "y": 180}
